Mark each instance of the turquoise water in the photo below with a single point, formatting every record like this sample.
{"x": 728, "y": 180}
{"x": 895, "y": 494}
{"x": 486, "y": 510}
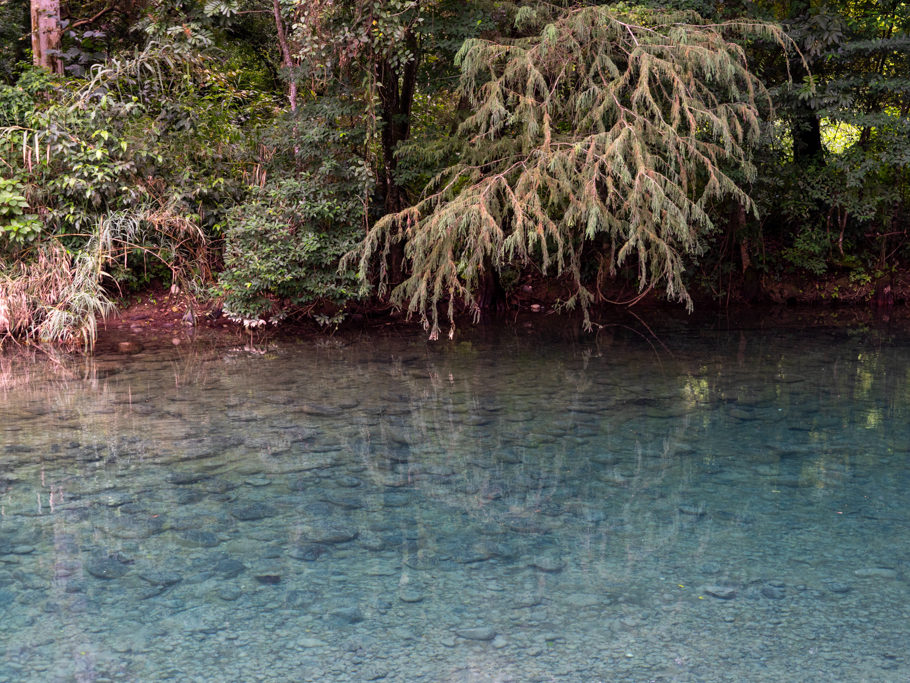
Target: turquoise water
{"x": 707, "y": 506}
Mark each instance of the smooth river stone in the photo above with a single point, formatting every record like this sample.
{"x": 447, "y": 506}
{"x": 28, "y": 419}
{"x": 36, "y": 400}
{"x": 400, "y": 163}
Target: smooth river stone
{"x": 548, "y": 563}
{"x": 133, "y": 527}
{"x": 371, "y": 541}
{"x": 347, "y": 615}
{"x": 197, "y": 538}
{"x": 185, "y": 478}
{"x": 102, "y": 567}
{"x": 160, "y": 578}
{"x": 228, "y": 567}
{"x": 309, "y": 552}
{"x": 297, "y": 599}
{"x": 876, "y": 573}
{"x": 410, "y": 595}
{"x": 721, "y": 592}
{"x": 330, "y": 533}
{"x": 773, "y": 592}
{"x": 476, "y": 633}
{"x": 693, "y": 509}
{"x": 253, "y": 512}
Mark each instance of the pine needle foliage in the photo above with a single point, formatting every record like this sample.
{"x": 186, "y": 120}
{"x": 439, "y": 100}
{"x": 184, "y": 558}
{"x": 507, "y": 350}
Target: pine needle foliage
{"x": 600, "y": 140}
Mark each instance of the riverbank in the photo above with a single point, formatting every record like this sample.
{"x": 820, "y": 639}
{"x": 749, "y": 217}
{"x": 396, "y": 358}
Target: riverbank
{"x": 158, "y": 318}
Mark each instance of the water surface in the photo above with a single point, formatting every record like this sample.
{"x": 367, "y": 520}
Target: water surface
{"x": 709, "y": 506}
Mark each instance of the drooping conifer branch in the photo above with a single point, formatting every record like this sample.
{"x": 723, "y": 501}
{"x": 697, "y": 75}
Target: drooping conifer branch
{"x": 602, "y": 138}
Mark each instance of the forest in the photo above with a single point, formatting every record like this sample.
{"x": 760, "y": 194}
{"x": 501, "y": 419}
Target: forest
{"x": 287, "y": 159}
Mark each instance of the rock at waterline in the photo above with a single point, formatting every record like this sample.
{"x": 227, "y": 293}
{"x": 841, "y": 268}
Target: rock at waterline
{"x": 129, "y": 347}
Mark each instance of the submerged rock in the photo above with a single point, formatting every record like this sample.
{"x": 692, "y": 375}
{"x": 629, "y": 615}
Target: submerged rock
{"x": 186, "y": 478}
{"x": 410, "y": 595}
{"x": 476, "y": 633}
{"x": 773, "y": 592}
{"x": 228, "y": 567}
{"x": 693, "y": 509}
{"x": 721, "y": 592}
{"x": 297, "y": 599}
{"x": 347, "y": 615}
{"x": 876, "y": 573}
{"x": 160, "y": 578}
{"x": 548, "y": 563}
{"x": 253, "y": 512}
{"x": 229, "y": 593}
{"x": 197, "y": 538}
{"x": 107, "y": 566}
{"x": 129, "y": 347}
{"x": 309, "y": 552}
{"x": 330, "y": 533}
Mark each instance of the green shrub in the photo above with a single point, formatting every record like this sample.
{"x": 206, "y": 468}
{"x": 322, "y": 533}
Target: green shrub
{"x": 283, "y": 246}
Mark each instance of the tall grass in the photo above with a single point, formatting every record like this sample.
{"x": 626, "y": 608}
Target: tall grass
{"x": 58, "y": 295}
{"x": 55, "y": 297}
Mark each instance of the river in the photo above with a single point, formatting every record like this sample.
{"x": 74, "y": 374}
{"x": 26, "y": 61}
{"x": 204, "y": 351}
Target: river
{"x": 711, "y": 505}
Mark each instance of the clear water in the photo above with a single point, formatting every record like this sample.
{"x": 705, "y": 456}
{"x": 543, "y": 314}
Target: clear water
{"x": 732, "y": 506}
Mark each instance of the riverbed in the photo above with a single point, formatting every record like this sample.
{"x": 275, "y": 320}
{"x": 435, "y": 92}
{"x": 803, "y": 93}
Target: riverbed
{"x": 703, "y": 505}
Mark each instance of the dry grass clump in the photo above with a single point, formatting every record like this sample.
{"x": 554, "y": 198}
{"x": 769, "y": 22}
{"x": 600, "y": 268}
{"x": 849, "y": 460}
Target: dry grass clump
{"x": 55, "y": 297}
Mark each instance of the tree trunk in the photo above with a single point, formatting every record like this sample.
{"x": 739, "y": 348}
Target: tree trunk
{"x": 491, "y": 297}
{"x": 807, "y": 138}
{"x": 396, "y": 98}
{"x": 46, "y": 34}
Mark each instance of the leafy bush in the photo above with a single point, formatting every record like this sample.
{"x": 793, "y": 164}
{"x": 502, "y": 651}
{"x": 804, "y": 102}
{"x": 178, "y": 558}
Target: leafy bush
{"x": 15, "y": 224}
{"x": 283, "y": 246}
{"x": 809, "y": 251}
{"x": 282, "y": 249}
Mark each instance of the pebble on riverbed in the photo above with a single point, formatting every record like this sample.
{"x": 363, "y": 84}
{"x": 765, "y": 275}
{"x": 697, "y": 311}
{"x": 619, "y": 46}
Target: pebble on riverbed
{"x": 721, "y": 592}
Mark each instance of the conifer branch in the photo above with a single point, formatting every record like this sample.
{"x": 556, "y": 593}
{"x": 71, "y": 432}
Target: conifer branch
{"x": 598, "y": 140}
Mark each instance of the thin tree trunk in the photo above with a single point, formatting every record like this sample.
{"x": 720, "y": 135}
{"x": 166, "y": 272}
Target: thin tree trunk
{"x": 46, "y": 34}
{"x": 286, "y": 58}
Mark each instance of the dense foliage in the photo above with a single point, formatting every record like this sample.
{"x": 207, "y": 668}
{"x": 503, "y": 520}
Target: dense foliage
{"x": 288, "y": 157}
